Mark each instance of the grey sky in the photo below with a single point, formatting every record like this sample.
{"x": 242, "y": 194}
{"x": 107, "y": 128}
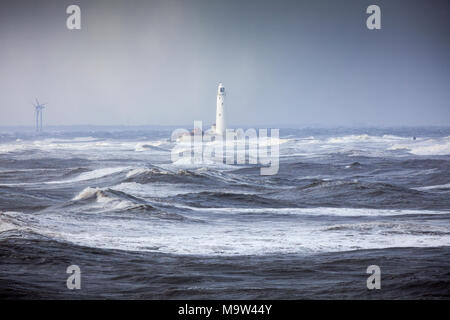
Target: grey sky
{"x": 282, "y": 62}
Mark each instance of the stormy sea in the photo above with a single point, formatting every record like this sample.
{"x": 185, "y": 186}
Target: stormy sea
{"x": 141, "y": 226}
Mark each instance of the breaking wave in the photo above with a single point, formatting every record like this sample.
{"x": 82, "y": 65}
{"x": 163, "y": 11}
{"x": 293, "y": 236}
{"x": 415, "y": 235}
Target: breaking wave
{"x": 335, "y": 191}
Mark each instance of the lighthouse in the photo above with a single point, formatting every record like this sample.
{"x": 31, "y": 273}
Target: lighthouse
{"x": 220, "y": 111}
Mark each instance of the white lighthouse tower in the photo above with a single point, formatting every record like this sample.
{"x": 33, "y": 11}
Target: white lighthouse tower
{"x": 220, "y": 111}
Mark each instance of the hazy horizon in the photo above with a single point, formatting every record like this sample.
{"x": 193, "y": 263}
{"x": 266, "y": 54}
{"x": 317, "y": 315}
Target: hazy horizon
{"x": 285, "y": 63}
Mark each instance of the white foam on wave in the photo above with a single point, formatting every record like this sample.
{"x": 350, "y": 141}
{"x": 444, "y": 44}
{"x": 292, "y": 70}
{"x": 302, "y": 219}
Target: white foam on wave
{"x": 319, "y": 211}
{"x": 223, "y": 234}
{"x": 7, "y": 223}
{"x": 365, "y": 138}
{"x": 103, "y": 201}
{"x": 86, "y": 193}
{"x": 82, "y": 145}
{"x": 439, "y": 186}
{"x": 199, "y": 163}
{"x": 76, "y": 139}
{"x": 350, "y": 138}
{"x": 91, "y": 175}
{"x": 425, "y": 147}
{"x": 362, "y": 144}
{"x": 142, "y": 171}
{"x": 383, "y": 227}
{"x": 7, "y": 148}
{"x": 366, "y": 145}
{"x": 85, "y": 176}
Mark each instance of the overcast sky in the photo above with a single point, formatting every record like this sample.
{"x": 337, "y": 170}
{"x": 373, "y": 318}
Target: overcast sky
{"x": 282, "y": 62}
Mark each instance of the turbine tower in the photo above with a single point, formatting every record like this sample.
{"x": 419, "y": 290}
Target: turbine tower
{"x": 38, "y": 107}
{"x": 220, "y": 112}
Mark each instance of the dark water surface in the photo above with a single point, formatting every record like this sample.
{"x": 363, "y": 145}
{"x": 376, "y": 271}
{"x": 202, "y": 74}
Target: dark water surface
{"x": 140, "y": 226}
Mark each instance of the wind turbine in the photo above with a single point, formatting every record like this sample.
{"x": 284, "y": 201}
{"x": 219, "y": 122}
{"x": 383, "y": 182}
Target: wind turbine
{"x": 38, "y": 107}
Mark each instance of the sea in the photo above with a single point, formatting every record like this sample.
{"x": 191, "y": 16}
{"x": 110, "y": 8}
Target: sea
{"x": 139, "y": 225}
